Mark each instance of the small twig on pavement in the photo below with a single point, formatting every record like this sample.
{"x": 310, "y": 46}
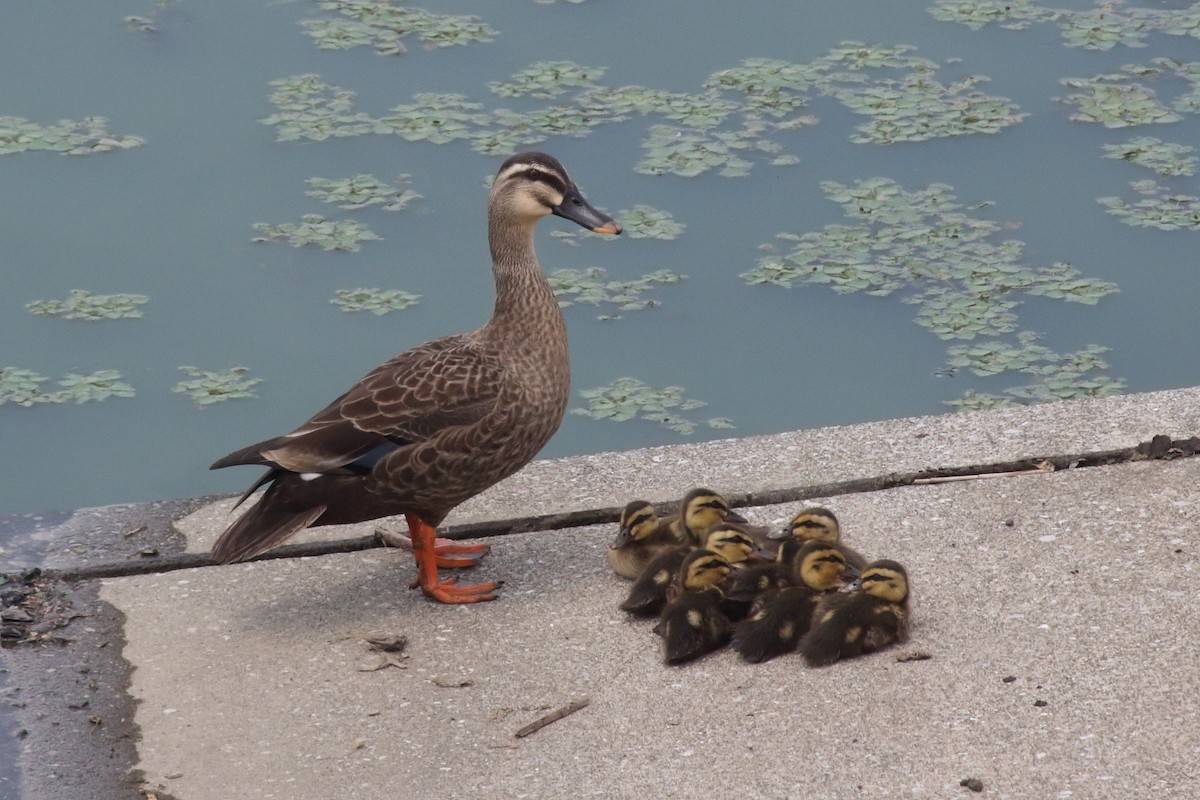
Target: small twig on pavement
{"x": 553, "y": 716}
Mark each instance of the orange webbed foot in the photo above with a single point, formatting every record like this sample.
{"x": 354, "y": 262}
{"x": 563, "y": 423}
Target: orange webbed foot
{"x": 450, "y": 553}
{"x": 451, "y": 591}
{"x": 432, "y": 553}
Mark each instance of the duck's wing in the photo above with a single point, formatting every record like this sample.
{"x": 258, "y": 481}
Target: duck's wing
{"x": 441, "y": 384}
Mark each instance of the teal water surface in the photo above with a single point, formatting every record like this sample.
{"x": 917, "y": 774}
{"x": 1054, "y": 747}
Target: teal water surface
{"x": 172, "y": 219}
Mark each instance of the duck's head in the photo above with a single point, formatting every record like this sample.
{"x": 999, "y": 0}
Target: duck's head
{"x": 813, "y": 523}
{"x": 638, "y": 520}
{"x": 886, "y": 580}
{"x": 703, "y": 508}
{"x": 530, "y": 186}
{"x": 821, "y": 566}
{"x": 730, "y": 541}
{"x": 703, "y": 569}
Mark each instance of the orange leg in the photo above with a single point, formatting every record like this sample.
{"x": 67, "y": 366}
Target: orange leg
{"x": 428, "y": 552}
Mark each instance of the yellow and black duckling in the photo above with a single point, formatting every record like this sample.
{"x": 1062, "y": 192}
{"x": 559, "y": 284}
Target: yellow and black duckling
{"x": 700, "y": 510}
{"x": 781, "y": 617}
{"x": 443, "y": 421}
{"x": 756, "y": 579}
{"x": 693, "y": 624}
{"x": 851, "y": 624}
{"x": 649, "y": 592}
{"x": 815, "y": 523}
{"x": 642, "y": 536}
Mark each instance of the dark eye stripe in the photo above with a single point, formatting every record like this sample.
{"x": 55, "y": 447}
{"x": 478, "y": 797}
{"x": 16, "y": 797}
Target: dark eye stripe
{"x": 553, "y": 181}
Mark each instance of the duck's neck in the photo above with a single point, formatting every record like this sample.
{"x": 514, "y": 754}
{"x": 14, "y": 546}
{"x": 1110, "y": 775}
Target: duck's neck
{"x": 524, "y": 297}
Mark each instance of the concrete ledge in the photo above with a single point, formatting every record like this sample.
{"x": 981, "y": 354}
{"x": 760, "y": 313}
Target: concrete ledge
{"x": 1057, "y": 609}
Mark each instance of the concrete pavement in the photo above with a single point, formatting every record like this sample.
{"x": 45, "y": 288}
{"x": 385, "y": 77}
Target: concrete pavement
{"x": 1058, "y": 612}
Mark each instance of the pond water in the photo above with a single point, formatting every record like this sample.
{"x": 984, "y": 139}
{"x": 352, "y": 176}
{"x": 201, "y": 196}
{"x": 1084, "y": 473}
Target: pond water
{"x": 170, "y": 215}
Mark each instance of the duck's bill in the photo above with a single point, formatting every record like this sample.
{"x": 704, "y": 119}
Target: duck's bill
{"x": 580, "y": 211}
{"x": 782, "y": 533}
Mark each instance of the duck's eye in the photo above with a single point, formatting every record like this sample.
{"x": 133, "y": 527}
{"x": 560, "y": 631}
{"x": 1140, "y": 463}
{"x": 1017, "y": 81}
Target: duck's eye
{"x": 533, "y": 174}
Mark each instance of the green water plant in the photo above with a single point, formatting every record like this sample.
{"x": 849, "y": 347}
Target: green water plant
{"x": 647, "y": 222}
{"x": 308, "y": 108}
{"x": 1159, "y": 207}
{"x": 97, "y": 386}
{"x": 630, "y": 398}
{"x": 90, "y": 135}
{"x": 739, "y": 117}
{"x": 593, "y": 286}
{"x": 314, "y": 229}
{"x": 363, "y": 191}
{"x": 546, "y": 79}
{"x": 23, "y": 387}
{"x": 377, "y": 301}
{"x": 1101, "y": 28}
{"x": 384, "y": 24}
{"x": 82, "y": 304}
{"x": 1164, "y": 158}
{"x": 966, "y": 285}
{"x": 1115, "y": 101}
{"x": 205, "y": 387}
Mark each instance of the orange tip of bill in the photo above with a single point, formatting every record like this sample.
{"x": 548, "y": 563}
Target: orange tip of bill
{"x": 608, "y": 227}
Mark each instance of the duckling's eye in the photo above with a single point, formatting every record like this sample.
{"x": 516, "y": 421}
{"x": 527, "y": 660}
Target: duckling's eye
{"x": 809, "y": 523}
{"x": 533, "y": 174}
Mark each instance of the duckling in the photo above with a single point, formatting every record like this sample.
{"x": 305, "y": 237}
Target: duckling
{"x": 649, "y": 592}
{"x": 756, "y": 579}
{"x": 641, "y": 537}
{"x": 820, "y": 524}
{"x": 846, "y": 625}
{"x": 692, "y": 624}
{"x": 781, "y": 617}
{"x": 700, "y": 510}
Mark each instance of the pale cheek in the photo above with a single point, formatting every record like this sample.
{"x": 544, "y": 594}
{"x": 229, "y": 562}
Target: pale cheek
{"x": 528, "y": 207}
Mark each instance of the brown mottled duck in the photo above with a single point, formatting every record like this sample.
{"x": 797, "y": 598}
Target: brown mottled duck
{"x": 443, "y": 421}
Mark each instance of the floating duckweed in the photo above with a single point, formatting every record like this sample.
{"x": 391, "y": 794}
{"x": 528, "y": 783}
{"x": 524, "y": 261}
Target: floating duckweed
{"x": 1159, "y": 208}
{"x": 362, "y": 191}
{"x": 377, "y": 301}
{"x": 727, "y": 126}
{"x": 592, "y": 286}
{"x": 645, "y": 222}
{"x": 383, "y": 24}
{"x": 771, "y": 87}
{"x": 22, "y": 387}
{"x": 205, "y": 386}
{"x": 82, "y": 304}
{"x": 311, "y": 109}
{"x": 962, "y": 282}
{"x": 629, "y": 398}
{"x": 329, "y": 234}
{"x": 89, "y": 388}
{"x": 1165, "y": 158}
{"x": 90, "y": 135}
{"x": 1115, "y": 102}
{"x": 963, "y": 315}
{"x": 1100, "y": 28}
{"x": 547, "y": 79}
{"x": 1011, "y": 14}
{"x": 918, "y": 108}
{"x": 689, "y": 153}
{"x": 994, "y": 356}
{"x": 437, "y": 118}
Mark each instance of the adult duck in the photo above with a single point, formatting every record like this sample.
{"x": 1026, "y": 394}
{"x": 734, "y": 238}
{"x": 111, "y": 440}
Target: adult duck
{"x": 443, "y": 421}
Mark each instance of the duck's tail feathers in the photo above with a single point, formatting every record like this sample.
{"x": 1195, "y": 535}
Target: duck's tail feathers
{"x": 262, "y": 527}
